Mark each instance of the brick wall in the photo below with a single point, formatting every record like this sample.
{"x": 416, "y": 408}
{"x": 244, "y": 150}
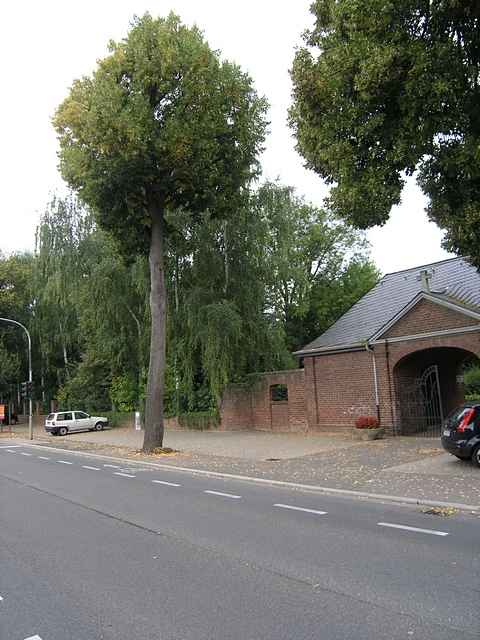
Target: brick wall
{"x": 251, "y": 407}
{"x": 427, "y": 316}
{"x": 339, "y": 388}
{"x": 236, "y": 408}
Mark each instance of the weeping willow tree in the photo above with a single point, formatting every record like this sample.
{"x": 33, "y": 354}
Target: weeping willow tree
{"x": 60, "y": 268}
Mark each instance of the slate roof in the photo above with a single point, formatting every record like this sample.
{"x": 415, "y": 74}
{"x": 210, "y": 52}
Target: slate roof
{"x": 455, "y": 280}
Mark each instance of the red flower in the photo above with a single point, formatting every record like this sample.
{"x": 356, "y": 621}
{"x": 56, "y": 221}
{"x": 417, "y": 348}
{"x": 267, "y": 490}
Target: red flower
{"x": 367, "y": 422}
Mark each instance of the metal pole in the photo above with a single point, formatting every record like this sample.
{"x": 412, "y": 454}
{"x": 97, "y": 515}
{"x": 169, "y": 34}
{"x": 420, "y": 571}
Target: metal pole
{"x": 19, "y": 324}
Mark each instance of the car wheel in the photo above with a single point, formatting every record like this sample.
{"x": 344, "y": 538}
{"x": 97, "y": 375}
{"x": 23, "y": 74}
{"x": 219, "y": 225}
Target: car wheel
{"x": 476, "y": 456}
{"x": 54, "y": 432}
{"x": 98, "y": 426}
{"x": 62, "y": 431}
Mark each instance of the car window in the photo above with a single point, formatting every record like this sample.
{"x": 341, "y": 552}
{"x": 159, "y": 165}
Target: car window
{"x": 50, "y": 416}
{"x": 68, "y": 416}
{"x": 60, "y": 416}
{"x": 457, "y": 416}
{"x": 80, "y": 415}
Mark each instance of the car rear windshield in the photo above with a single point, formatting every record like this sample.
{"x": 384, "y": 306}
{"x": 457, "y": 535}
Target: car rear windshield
{"x": 50, "y": 416}
{"x": 457, "y": 416}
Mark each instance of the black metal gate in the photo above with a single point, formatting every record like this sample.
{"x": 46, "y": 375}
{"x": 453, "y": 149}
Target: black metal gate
{"x": 421, "y": 409}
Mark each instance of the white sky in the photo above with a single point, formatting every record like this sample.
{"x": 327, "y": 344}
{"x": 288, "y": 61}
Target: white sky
{"x": 45, "y": 45}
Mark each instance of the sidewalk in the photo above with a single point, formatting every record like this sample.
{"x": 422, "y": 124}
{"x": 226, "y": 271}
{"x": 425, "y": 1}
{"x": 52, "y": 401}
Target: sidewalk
{"x": 404, "y": 466}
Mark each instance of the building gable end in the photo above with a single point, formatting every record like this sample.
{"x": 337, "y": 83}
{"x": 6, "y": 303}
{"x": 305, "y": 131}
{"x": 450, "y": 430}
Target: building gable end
{"x": 425, "y": 314}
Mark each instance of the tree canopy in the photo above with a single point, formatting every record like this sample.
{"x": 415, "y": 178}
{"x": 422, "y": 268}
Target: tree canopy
{"x": 383, "y": 89}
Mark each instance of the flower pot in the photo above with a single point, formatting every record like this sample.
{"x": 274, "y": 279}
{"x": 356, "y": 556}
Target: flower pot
{"x": 368, "y": 434}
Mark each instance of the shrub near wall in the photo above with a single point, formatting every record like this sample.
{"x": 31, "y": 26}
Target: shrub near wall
{"x": 199, "y": 421}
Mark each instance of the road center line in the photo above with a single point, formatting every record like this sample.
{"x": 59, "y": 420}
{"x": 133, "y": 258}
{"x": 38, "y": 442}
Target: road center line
{"x": 43, "y": 458}
{"x": 24, "y": 453}
{"x": 64, "y": 462}
{"x": 124, "y": 475}
{"x": 224, "y": 495}
{"x": 169, "y": 484}
{"x": 415, "y": 529}
{"x": 289, "y": 506}
{"x": 85, "y": 466}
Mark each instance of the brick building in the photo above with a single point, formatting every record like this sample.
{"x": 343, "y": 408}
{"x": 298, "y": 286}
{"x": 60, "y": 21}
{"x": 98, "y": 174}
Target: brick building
{"x": 398, "y": 353}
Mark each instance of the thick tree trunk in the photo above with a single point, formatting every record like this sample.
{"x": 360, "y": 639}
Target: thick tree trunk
{"x": 158, "y": 301}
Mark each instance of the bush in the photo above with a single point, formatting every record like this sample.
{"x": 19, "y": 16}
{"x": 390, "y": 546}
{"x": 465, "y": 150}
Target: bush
{"x": 367, "y": 422}
{"x": 199, "y": 420}
{"x": 471, "y": 380}
{"x": 123, "y": 393}
{"x": 87, "y": 389}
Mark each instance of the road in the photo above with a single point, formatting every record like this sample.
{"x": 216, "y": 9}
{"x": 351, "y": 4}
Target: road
{"x": 97, "y": 550}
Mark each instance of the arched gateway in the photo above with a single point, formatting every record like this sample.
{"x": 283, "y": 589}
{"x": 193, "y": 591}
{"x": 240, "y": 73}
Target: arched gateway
{"x": 428, "y": 386}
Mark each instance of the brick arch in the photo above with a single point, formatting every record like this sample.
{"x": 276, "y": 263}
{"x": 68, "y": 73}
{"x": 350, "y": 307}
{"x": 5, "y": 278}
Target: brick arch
{"x": 469, "y": 342}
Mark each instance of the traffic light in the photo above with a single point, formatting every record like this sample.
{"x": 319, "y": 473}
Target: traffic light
{"x": 26, "y": 389}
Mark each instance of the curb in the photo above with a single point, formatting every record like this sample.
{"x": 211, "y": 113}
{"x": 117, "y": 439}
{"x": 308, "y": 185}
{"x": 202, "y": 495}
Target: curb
{"x": 274, "y": 483}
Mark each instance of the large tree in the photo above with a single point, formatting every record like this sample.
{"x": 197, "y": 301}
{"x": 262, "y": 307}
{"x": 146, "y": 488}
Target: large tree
{"x": 316, "y": 265}
{"x": 162, "y": 125}
{"x": 385, "y": 88}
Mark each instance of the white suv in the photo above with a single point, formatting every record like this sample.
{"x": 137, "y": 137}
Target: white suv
{"x": 63, "y": 422}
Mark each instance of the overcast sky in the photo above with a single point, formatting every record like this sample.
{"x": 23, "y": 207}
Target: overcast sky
{"x": 45, "y": 45}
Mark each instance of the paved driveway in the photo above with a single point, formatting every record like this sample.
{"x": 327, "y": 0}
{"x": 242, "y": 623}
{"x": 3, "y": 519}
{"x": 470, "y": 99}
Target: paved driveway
{"x": 247, "y": 445}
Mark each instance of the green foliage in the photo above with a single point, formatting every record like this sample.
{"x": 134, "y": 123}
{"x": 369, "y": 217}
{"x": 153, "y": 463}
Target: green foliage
{"x": 162, "y": 120}
{"x": 124, "y": 393}
{"x": 16, "y": 303}
{"x": 384, "y": 88}
{"x": 316, "y": 265}
{"x": 471, "y": 379}
{"x": 9, "y": 368}
{"x": 199, "y": 420}
{"x": 88, "y": 389}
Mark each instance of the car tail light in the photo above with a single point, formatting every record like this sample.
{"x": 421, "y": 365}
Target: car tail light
{"x": 467, "y": 420}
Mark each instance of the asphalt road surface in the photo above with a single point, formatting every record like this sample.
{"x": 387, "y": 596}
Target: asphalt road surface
{"x": 97, "y": 550}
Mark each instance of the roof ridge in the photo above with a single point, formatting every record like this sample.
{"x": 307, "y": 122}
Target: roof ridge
{"x": 430, "y": 264}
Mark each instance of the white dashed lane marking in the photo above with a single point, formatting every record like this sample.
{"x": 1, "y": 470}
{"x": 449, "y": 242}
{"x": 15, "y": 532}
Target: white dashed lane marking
{"x": 289, "y": 506}
{"x": 64, "y": 462}
{"x": 33, "y": 638}
{"x": 169, "y": 484}
{"x": 85, "y": 466}
{"x": 124, "y": 475}
{"x": 10, "y": 451}
{"x": 10, "y": 446}
{"x": 223, "y": 495}
{"x": 111, "y": 466}
{"x": 432, "y": 532}
{"x": 23, "y": 453}
{"x": 43, "y": 458}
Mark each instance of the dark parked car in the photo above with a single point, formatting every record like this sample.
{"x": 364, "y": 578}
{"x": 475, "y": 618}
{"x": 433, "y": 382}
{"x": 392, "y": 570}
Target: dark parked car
{"x": 461, "y": 432}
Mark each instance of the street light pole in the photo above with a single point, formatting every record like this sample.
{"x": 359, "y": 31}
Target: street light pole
{"x": 19, "y": 324}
